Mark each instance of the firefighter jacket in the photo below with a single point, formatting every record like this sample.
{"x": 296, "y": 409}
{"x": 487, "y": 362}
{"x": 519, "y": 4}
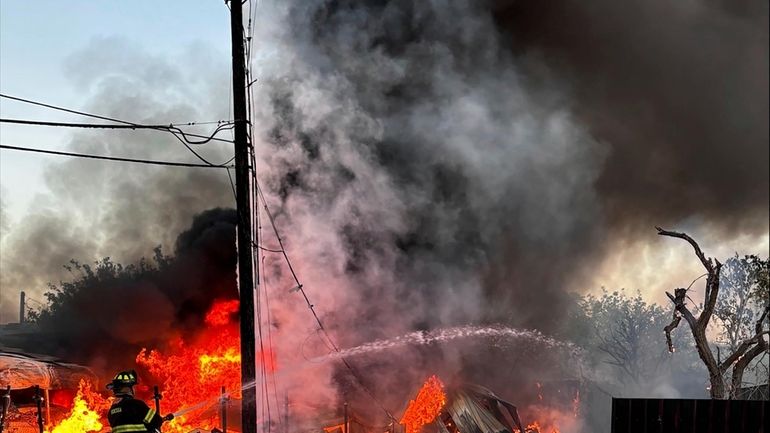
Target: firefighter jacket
{"x": 129, "y": 415}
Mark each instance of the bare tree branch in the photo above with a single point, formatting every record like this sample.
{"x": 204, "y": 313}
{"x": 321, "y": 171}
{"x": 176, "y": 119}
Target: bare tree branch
{"x": 698, "y": 326}
{"x": 713, "y": 268}
{"x": 706, "y": 262}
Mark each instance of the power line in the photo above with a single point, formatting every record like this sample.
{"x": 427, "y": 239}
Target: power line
{"x": 175, "y": 131}
{"x": 113, "y": 158}
{"x": 168, "y": 128}
{"x": 79, "y": 125}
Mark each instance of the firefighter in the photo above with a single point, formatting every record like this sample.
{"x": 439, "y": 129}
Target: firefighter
{"x": 130, "y": 415}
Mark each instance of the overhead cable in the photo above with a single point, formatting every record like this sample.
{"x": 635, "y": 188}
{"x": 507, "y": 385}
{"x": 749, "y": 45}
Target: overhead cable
{"x": 80, "y": 125}
{"x": 165, "y": 128}
{"x": 112, "y": 158}
{"x": 180, "y": 135}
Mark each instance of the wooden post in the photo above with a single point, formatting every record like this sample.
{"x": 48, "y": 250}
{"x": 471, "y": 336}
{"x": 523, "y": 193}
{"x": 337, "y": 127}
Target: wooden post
{"x": 286, "y": 412}
{"x": 223, "y": 410}
{"x": 46, "y": 396}
{"x": 345, "y": 418}
{"x": 246, "y": 263}
{"x": 5, "y": 405}
{"x": 39, "y": 403}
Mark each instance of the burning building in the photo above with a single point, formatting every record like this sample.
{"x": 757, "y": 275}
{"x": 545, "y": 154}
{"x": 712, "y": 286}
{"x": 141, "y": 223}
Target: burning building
{"x": 470, "y": 408}
{"x": 39, "y": 390}
{"x": 475, "y": 409}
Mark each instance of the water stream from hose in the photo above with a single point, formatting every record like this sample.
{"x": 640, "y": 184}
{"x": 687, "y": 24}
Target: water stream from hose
{"x": 502, "y": 335}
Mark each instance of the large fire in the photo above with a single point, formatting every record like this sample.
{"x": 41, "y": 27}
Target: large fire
{"x": 193, "y": 372}
{"x": 190, "y": 375}
{"x": 426, "y": 406}
{"x": 85, "y": 415}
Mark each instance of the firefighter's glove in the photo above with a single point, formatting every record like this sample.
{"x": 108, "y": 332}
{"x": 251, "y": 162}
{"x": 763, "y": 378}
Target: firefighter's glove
{"x": 168, "y": 417}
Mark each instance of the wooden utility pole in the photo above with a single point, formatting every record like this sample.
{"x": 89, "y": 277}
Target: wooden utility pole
{"x": 246, "y": 271}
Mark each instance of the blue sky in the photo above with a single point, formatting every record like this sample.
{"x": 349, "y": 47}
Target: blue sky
{"x": 36, "y": 38}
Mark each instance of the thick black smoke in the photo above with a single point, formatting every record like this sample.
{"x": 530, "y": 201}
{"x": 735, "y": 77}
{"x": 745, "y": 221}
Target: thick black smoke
{"x": 108, "y": 312}
{"x": 678, "y": 90}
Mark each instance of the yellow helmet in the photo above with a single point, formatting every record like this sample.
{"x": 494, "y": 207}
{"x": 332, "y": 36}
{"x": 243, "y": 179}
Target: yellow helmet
{"x": 123, "y": 379}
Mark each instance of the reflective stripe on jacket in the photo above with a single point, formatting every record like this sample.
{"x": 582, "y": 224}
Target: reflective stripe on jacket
{"x": 129, "y": 415}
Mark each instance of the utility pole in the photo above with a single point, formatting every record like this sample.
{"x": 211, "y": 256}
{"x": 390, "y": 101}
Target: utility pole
{"x": 246, "y": 272}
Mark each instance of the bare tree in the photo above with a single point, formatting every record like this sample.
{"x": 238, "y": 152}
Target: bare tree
{"x": 742, "y": 355}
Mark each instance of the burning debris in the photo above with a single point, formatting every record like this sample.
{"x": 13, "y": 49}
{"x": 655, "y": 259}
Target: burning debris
{"x": 426, "y": 406}
{"x": 87, "y": 413}
{"x": 476, "y": 409}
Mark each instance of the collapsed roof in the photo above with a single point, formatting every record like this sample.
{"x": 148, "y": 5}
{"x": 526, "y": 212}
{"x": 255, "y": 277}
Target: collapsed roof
{"x": 475, "y": 409}
{"x": 21, "y": 370}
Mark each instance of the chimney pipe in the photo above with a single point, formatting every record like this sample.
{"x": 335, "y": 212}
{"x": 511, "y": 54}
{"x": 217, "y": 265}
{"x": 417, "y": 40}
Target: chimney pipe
{"x": 22, "y": 304}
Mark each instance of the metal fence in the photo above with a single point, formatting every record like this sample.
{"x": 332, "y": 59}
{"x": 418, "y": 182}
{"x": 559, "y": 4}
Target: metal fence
{"x": 632, "y": 415}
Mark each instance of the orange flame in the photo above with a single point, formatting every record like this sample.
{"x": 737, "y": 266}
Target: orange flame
{"x": 194, "y": 372}
{"x": 188, "y": 372}
{"x": 426, "y": 406}
{"x": 536, "y": 428}
{"x": 221, "y": 312}
{"x": 85, "y": 415}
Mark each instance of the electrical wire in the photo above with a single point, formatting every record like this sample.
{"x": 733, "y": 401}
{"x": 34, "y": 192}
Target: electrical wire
{"x": 321, "y": 326}
{"x": 180, "y": 135}
{"x": 79, "y": 125}
{"x": 172, "y": 130}
{"x": 232, "y": 184}
{"x": 112, "y": 158}
{"x": 270, "y": 250}
{"x": 111, "y": 119}
{"x": 109, "y": 125}
{"x": 269, "y": 333}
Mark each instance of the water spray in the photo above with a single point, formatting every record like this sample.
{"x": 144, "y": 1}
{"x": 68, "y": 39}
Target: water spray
{"x": 417, "y": 338}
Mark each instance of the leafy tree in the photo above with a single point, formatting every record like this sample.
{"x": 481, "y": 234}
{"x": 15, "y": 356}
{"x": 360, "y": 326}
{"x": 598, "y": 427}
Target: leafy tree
{"x": 64, "y": 298}
{"x": 621, "y": 333}
{"x": 91, "y": 315}
{"x": 743, "y": 300}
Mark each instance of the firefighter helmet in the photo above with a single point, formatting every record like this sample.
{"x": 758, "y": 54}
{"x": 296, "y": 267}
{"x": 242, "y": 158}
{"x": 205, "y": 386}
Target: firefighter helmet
{"x": 123, "y": 379}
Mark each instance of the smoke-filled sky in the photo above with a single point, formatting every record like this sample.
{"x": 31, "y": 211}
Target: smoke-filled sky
{"x": 429, "y": 163}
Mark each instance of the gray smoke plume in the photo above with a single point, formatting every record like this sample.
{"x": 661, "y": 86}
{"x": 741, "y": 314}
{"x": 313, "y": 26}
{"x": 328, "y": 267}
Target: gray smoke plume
{"x": 426, "y": 180}
{"x": 97, "y": 209}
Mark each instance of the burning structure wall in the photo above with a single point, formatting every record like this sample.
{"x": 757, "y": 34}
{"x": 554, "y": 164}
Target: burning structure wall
{"x": 474, "y": 409}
